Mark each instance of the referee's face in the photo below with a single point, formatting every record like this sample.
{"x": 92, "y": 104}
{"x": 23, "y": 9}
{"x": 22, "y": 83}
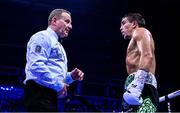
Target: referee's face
{"x": 64, "y": 25}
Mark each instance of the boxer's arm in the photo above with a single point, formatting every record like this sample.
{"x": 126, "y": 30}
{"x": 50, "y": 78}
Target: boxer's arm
{"x": 143, "y": 40}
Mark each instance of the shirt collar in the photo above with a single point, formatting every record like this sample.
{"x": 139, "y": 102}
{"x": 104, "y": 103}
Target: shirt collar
{"x": 52, "y": 32}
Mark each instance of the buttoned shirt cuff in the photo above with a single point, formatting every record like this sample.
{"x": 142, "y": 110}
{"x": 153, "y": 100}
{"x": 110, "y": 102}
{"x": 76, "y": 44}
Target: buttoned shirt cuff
{"x": 69, "y": 78}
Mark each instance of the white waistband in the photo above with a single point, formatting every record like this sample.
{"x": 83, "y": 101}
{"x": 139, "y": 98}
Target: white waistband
{"x": 150, "y": 79}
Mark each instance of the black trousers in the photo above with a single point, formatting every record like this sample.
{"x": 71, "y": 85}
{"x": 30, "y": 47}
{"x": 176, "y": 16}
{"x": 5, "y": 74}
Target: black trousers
{"x": 38, "y": 98}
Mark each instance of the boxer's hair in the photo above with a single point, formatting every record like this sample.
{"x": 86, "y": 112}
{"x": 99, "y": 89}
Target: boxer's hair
{"x": 56, "y": 13}
{"x": 136, "y": 17}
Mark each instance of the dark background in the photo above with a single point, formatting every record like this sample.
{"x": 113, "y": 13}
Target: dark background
{"x": 95, "y": 44}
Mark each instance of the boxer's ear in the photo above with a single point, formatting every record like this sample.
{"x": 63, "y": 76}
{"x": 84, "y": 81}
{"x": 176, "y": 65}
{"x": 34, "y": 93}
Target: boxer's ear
{"x": 134, "y": 24}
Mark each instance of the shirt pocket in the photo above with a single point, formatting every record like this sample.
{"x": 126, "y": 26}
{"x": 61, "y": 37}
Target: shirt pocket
{"x": 57, "y": 54}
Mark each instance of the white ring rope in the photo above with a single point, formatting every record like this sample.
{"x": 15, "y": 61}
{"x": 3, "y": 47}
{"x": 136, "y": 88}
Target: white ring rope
{"x": 169, "y": 96}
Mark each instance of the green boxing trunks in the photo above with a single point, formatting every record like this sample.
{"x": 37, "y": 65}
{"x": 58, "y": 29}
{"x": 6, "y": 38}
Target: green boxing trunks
{"x": 149, "y": 95}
